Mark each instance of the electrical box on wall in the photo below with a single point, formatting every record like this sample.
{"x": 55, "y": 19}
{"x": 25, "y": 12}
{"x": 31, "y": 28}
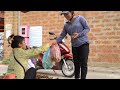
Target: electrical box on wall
{"x": 24, "y": 31}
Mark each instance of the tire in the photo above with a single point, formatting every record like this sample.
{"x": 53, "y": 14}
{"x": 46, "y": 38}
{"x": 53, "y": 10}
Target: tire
{"x": 71, "y": 68}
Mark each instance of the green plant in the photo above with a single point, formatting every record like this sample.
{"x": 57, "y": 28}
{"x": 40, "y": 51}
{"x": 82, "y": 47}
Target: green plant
{"x": 5, "y": 61}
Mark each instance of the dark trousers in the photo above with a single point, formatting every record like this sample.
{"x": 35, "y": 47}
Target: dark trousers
{"x": 30, "y": 73}
{"x": 80, "y": 57}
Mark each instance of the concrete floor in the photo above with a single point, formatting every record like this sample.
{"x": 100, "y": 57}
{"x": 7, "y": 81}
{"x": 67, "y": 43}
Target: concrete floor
{"x": 90, "y": 75}
{"x": 93, "y": 73}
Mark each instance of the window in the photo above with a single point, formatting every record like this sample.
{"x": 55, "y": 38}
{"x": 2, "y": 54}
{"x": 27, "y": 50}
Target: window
{"x": 23, "y": 30}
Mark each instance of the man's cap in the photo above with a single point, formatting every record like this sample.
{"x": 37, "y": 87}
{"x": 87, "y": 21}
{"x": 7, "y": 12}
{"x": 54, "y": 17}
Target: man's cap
{"x": 64, "y": 12}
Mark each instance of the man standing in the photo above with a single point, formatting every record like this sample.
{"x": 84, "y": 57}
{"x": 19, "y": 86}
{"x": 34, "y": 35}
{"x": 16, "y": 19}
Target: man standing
{"x": 77, "y": 27}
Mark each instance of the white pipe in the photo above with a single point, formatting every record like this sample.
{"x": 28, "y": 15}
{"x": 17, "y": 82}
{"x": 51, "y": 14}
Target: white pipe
{"x": 19, "y": 21}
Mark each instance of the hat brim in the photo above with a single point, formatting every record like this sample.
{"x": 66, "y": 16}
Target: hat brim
{"x": 64, "y": 12}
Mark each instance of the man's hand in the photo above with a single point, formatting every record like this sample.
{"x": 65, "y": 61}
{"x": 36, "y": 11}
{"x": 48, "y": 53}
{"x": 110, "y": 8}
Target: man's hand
{"x": 75, "y": 35}
{"x": 53, "y": 42}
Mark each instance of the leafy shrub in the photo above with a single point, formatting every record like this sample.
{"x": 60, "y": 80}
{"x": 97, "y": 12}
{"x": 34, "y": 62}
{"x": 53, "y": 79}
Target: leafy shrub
{"x": 5, "y": 61}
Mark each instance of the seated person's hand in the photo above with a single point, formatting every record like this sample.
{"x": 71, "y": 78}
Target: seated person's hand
{"x": 38, "y": 56}
{"x": 46, "y": 46}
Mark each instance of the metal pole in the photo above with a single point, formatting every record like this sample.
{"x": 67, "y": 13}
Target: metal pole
{"x": 19, "y": 22}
